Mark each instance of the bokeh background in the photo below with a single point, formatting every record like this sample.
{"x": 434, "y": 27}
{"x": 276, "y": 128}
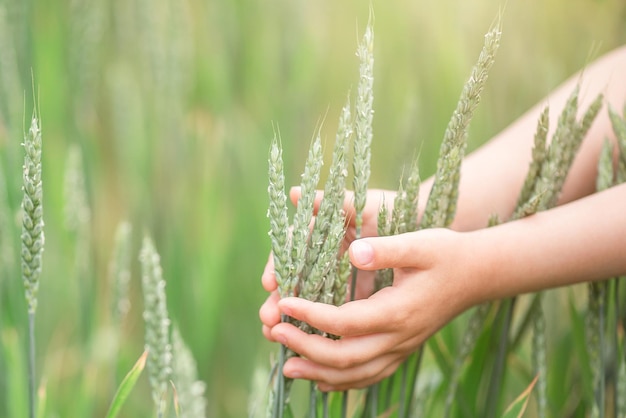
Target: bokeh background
{"x": 172, "y": 105}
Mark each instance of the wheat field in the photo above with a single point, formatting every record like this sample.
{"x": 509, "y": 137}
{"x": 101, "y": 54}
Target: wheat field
{"x": 161, "y": 115}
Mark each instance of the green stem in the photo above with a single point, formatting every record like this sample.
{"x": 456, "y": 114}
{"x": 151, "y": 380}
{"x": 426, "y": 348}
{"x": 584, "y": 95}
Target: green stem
{"x": 344, "y": 404}
{"x": 601, "y": 382}
{"x": 525, "y": 323}
{"x": 616, "y": 359}
{"x": 498, "y": 369}
{"x": 280, "y": 395}
{"x": 325, "y": 404}
{"x": 312, "y": 401}
{"x": 418, "y": 363}
{"x": 401, "y": 406}
{"x": 31, "y": 363}
{"x": 374, "y": 400}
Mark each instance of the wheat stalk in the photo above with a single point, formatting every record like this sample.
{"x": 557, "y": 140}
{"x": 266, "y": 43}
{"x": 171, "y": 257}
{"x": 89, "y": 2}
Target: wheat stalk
{"x": 32, "y": 236}
{"x": 621, "y": 386}
{"x": 595, "y": 343}
{"x": 540, "y": 363}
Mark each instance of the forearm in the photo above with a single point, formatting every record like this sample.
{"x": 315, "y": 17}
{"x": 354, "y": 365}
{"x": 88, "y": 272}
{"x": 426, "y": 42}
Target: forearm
{"x": 577, "y": 242}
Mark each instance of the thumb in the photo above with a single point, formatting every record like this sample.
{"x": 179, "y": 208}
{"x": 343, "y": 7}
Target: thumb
{"x": 397, "y": 251}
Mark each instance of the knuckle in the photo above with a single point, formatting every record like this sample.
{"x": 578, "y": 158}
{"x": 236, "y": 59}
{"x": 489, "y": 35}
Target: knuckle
{"x": 349, "y": 360}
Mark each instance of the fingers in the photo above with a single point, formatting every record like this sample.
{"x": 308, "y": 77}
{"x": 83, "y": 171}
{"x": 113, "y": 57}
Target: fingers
{"x": 270, "y": 314}
{"x": 342, "y": 354}
{"x": 359, "y": 317}
{"x": 413, "y": 249}
{"x": 333, "y": 379}
{"x": 352, "y": 362}
{"x": 268, "y": 278}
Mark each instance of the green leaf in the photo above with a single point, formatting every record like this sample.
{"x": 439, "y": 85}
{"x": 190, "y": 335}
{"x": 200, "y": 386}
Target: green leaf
{"x": 127, "y": 386}
{"x": 518, "y": 406}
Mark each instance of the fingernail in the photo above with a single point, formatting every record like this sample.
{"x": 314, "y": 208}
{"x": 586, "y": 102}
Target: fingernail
{"x": 362, "y": 252}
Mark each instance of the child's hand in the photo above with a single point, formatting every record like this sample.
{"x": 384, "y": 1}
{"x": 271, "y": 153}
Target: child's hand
{"x": 269, "y": 312}
{"x": 378, "y": 333}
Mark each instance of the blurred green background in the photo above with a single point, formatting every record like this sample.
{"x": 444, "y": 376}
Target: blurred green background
{"x": 173, "y": 104}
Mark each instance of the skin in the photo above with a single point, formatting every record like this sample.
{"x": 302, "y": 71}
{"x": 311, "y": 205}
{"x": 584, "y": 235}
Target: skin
{"x": 578, "y": 241}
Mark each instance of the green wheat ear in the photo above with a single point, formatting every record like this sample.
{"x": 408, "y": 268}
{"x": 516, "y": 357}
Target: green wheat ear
{"x": 619, "y": 128}
{"x": 157, "y": 324}
{"x": 279, "y": 221}
{"x": 32, "y": 214}
{"x": 185, "y": 374}
{"x": 32, "y": 239}
{"x": 363, "y": 124}
{"x": 606, "y": 176}
{"x": 441, "y": 205}
{"x": 539, "y": 154}
{"x": 304, "y": 209}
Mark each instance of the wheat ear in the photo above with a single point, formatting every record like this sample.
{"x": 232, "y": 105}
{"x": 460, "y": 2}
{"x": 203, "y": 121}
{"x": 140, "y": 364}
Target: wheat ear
{"x": 185, "y": 374}
{"x": 279, "y": 221}
{"x": 157, "y": 324}
{"x": 363, "y": 124}
{"x": 304, "y": 209}
{"x": 32, "y": 237}
{"x": 441, "y": 205}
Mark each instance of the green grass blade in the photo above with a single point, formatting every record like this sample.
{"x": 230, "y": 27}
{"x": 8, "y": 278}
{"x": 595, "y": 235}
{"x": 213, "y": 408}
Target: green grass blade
{"x": 519, "y": 405}
{"x": 127, "y": 386}
{"x": 539, "y": 356}
{"x": 497, "y": 375}
{"x": 469, "y": 340}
